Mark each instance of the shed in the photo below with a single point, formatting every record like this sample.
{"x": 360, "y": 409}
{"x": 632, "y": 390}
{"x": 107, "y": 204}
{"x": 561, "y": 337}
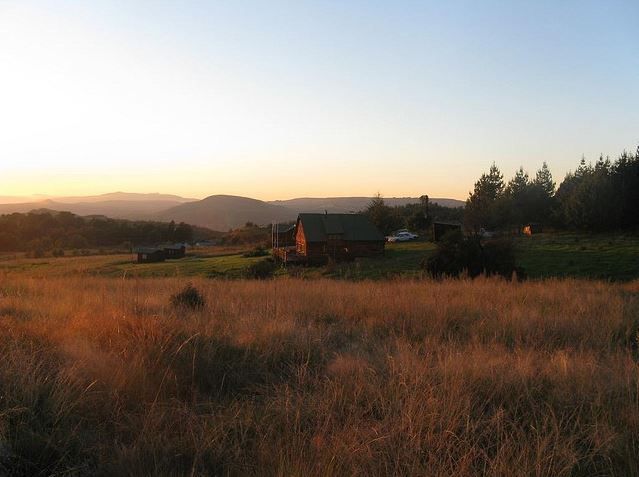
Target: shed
{"x": 337, "y": 236}
{"x": 175, "y": 251}
{"x": 149, "y": 254}
{"x": 441, "y": 228}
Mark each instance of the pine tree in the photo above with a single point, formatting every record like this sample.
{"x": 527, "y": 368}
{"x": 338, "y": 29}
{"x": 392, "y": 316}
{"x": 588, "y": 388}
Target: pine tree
{"x": 517, "y": 196}
{"x": 543, "y": 179}
{"x": 518, "y": 185}
{"x": 482, "y": 204}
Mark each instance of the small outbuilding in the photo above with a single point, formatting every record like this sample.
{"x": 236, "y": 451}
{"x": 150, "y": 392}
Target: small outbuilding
{"x": 175, "y": 251}
{"x": 150, "y": 254}
{"x": 442, "y": 228}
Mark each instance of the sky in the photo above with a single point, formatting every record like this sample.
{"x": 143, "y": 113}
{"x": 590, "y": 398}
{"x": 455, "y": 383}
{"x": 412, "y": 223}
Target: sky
{"x": 281, "y": 99}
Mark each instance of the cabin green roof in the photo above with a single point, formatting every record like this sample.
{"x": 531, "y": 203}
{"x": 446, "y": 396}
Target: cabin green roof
{"x": 352, "y": 227}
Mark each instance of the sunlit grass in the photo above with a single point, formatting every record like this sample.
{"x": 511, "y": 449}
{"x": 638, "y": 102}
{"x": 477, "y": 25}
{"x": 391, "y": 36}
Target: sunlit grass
{"x": 318, "y": 377}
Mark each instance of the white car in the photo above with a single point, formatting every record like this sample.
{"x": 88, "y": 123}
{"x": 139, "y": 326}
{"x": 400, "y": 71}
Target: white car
{"x": 402, "y": 236}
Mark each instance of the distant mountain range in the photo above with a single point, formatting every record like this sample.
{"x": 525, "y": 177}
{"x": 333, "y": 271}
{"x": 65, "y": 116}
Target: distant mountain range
{"x": 354, "y": 204}
{"x": 217, "y": 212}
{"x": 118, "y": 205}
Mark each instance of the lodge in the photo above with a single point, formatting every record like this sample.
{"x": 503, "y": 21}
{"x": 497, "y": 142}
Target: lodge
{"x": 320, "y": 237}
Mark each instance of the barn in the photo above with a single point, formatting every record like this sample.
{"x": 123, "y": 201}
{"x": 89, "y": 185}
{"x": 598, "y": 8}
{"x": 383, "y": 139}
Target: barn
{"x": 319, "y": 237}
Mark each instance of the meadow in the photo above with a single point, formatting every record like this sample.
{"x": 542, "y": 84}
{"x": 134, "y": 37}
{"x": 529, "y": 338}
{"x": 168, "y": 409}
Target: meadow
{"x": 104, "y": 376}
{"x": 592, "y": 256}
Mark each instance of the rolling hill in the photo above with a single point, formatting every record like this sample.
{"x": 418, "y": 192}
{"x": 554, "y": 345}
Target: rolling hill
{"x": 217, "y": 212}
{"x": 117, "y": 205}
{"x": 116, "y": 209}
{"x": 353, "y": 204}
{"x": 223, "y": 212}
{"x": 124, "y": 197}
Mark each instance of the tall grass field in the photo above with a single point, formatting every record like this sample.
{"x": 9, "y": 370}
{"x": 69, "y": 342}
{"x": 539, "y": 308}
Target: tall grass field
{"x": 293, "y": 377}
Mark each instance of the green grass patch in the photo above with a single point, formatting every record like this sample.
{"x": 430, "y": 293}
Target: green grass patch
{"x": 597, "y": 256}
{"x": 400, "y": 260}
{"x": 600, "y": 256}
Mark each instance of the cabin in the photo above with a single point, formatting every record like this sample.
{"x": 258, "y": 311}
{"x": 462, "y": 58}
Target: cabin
{"x": 175, "y": 251}
{"x": 319, "y": 237}
{"x": 532, "y": 228}
{"x": 149, "y": 254}
{"x": 442, "y": 228}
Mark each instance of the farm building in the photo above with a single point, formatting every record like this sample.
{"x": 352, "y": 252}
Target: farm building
{"x": 442, "y": 228}
{"x": 175, "y": 251}
{"x": 149, "y": 254}
{"x": 532, "y": 228}
{"x": 337, "y": 236}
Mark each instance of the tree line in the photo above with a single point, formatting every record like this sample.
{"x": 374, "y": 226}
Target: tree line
{"x": 417, "y": 217}
{"x": 45, "y": 231}
{"x": 602, "y": 196}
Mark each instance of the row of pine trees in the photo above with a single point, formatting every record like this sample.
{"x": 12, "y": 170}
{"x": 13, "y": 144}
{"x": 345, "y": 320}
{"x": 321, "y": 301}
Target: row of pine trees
{"x": 597, "y": 197}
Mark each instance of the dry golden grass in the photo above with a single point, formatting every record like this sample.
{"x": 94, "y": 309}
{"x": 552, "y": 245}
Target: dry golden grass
{"x": 300, "y": 377}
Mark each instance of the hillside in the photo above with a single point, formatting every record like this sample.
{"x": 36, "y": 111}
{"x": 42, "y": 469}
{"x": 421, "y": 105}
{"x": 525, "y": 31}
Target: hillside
{"x": 223, "y": 212}
{"x": 124, "y": 196}
{"x": 353, "y": 204}
{"x": 116, "y": 209}
{"x": 218, "y": 212}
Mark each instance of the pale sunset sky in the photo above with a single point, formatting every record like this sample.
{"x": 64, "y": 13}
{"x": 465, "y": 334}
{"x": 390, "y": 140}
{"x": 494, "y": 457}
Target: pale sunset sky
{"x": 275, "y": 99}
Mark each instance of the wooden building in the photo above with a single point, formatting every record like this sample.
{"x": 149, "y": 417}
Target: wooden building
{"x": 442, "y": 228}
{"x": 150, "y": 254}
{"x": 319, "y": 237}
{"x": 175, "y": 251}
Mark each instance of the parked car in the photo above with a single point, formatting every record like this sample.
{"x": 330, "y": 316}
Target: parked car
{"x": 402, "y": 236}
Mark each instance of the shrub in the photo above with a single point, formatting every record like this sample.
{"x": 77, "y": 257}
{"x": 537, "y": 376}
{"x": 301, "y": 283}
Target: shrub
{"x": 457, "y": 253}
{"x": 189, "y": 297}
{"x": 256, "y": 252}
{"x": 261, "y": 270}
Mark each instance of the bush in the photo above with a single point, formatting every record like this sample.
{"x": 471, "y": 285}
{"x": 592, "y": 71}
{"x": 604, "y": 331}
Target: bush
{"x": 189, "y": 297}
{"x": 261, "y": 270}
{"x": 256, "y": 252}
{"x": 456, "y": 254}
